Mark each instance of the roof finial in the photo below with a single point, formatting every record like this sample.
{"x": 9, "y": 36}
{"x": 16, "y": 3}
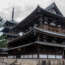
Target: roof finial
{"x": 13, "y": 14}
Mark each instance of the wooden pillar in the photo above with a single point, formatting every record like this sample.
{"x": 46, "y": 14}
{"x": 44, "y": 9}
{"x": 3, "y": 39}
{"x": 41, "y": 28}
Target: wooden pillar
{"x": 38, "y": 51}
{"x": 38, "y": 48}
{"x": 18, "y": 56}
{"x": 32, "y": 55}
{"x": 63, "y": 53}
{"x": 38, "y": 55}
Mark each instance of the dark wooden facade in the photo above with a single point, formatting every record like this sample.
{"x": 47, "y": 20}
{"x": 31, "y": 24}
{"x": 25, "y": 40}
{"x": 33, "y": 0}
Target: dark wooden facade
{"x": 44, "y": 33}
{"x": 35, "y": 16}
{"x": 37, "y": 42}
{"x": 12, "y": 30}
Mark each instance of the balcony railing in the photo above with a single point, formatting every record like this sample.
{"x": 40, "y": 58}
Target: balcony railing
{"x": 52, "y": 29}
{"x": 50, "y": 32}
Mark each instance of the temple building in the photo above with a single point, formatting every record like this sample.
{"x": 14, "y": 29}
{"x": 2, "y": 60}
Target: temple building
{"x": 39, "y": 39}
{"x": 13, "y": 30}
{"x": 44, "y": 34}
{"x": 33, "y": 16}
{"x": 8, "y": 25}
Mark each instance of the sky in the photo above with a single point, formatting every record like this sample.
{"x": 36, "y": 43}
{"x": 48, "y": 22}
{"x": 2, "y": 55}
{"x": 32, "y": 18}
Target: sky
{"x": 24, "y": 7}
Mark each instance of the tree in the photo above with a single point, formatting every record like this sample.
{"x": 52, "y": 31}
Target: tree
{"x": 3, "y": 38}
{"x": 3, "y": 41}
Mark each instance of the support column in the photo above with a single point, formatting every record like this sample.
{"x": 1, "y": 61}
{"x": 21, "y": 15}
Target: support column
{"x": 18, "y": 56}
{"x": 63, "y": 53}
{"x": 38, "y": 52}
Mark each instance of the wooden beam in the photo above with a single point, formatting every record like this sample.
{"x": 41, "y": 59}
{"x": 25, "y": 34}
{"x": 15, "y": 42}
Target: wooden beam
{"x": 50, "y": 44}
{"x": 21, "y": 46}
{"x": 60, "y": 35}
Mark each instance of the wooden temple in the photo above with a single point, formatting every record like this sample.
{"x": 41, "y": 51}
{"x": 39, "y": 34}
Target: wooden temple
{"x": 37, "y": 43}
{"x": 13, "y": 30}
{"x": 32, "y": 17}
{"x": 44, "y": 35}
{"x": 8, "y": 25}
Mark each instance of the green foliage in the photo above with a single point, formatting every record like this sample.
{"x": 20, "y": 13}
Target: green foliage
{"x": 3, "y": 41}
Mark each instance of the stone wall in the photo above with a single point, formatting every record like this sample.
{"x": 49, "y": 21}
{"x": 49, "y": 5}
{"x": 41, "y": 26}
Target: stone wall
{"x": 7, "y": 61}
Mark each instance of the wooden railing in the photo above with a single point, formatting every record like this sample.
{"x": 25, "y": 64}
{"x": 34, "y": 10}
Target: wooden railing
{"x": 53, "y": 29}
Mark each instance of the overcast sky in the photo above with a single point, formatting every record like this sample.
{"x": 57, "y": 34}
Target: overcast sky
{"x": 24, "y": 7}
